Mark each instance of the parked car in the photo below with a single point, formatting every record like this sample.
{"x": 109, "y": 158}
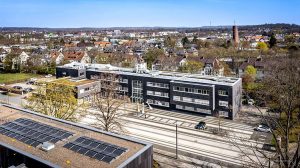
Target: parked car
{"x": 26, "y": 90}
{"x": 17, "y": 87}
{"x": 30, "y": 82}
{"x": 201, "y": 125}
{"x": 263, "y": 128}
{"x": 48, "y": 76}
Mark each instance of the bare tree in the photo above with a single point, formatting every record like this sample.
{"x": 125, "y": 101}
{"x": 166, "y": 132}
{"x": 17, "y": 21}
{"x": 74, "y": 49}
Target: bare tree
{"x": 108, "y": 99}
{"x": 281, "y": 91}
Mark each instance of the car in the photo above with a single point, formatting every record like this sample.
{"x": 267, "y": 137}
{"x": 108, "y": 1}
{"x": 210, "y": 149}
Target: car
{"x": 48, "y": 76}
{"x": 201, "y": 125}
{"x": 17, "y": 87}
{"x": 26, "y": 90}
{"x": 263, "y": 128}
{"x": 30, "y": 83}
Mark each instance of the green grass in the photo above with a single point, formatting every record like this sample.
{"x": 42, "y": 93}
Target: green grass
{"x": 8, "y": 78}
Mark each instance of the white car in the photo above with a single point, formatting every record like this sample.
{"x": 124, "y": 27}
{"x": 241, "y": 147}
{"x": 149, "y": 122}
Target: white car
{"x": 48, "y": 76}
{"x": 263, "y": 128}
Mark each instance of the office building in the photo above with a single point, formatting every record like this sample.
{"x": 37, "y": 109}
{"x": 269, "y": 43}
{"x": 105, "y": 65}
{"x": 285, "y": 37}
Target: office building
{"x": 208, "y": 95}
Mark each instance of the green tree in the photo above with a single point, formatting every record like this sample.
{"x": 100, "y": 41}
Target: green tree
{"x": 250, "y": 70}
{"x": 56, "y": 100}
{"x": 191, "y": 67}
{"x": 272, "y": 41}
{"x": 249, "y": 78}
{"x": 185, "y": 41}
{"x": 262, "y": 46}
{"x": 153, "y": 54}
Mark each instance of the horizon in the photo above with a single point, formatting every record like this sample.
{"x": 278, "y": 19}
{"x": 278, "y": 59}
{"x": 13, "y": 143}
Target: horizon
{"x": 155, "y": 13}
{"x": 182, "y": 27}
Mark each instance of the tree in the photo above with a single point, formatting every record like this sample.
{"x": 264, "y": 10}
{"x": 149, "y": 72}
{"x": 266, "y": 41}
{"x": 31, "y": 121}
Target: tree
{"x": 108, "y": 99}
{"x": 9, "y": 64}
{"x": 280, "y": 87}
{"x": 262, "y": 46}
{"x": 250, "y": 70}
{"x": 153, "y": 54}
{"x": 191, "y": 67}
{"x": 272, "y": 41}
{"x": 195, "y": 40}
{"x": 56, "y": 100}
{"x": 185, "y": 41}
{"x": 170, "y": 42}
{"x": 249, "y": 78}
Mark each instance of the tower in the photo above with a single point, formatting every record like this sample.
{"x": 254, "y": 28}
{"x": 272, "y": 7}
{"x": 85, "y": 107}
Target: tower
{"x": 236, "y": 38}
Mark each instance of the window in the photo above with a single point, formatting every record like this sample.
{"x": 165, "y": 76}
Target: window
{"x": 187, "y": 99}
{"x": 223, "y": 103}
{"x": 176, "y": 98}
{"x": 150, "y": 101}
{"x": 203, "y": 111}
{"x": 224, "y": 113}
{"x": 201, "y": 91}
{"x": 159, "y": 85}
{"x": 123, "y": 80}
{"x": 189, "y": 108}
{"x": 149, "y": 92}
{"x": 202, "y": 102}
{"x": 223, "y": 93}
{"x": 179, "y": 107}
{"x": 159, "y": 103}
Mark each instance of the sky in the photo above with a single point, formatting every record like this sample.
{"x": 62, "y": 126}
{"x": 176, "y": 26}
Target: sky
{"x": 145, "y": 13}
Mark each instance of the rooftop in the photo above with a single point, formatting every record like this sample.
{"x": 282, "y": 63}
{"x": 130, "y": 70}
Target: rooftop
{"x": 72, "y": 81}
{"x": 63, "y": 155}
{"x": 175, "y": 76}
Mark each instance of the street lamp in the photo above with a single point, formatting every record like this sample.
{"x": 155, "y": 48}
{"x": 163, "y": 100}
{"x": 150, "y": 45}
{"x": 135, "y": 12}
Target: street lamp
{"x": 176, "y": 140}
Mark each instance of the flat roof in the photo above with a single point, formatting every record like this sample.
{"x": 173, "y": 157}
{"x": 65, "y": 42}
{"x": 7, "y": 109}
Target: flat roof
{"x": 62, "y": 156}
{"x": 175, "y": 76}
{"x": 72, "y": 81}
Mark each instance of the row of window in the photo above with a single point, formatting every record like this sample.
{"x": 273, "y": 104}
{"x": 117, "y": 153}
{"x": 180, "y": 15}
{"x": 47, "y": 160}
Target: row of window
{"x": 155, "y": 93}
{"x": 223, "y": 103}
{"x": 123, "y": 80}
{"x": 191, "y": 100}
{"x": 223, "y": 93}
{"x": 158, "y": 103}
{"x": 188, "y": 108}
{"x": 159, "y": 85}
{"x": 191, "y": 90}
{"x": 122, "y": 88}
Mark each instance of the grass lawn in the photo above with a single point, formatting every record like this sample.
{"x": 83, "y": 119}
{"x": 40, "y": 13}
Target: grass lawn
{"x": 9, "y": 78}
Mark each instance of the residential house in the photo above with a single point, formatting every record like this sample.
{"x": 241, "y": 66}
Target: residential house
{"x": 257, "y": 63}
{"x": 211, "y": 66}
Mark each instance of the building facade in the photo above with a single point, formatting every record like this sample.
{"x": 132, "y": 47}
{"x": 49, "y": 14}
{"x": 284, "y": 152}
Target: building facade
{"x": 207, "y": 95}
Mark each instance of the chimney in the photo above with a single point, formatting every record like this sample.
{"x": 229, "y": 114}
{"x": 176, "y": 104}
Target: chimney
{"x": 236, "y": 38}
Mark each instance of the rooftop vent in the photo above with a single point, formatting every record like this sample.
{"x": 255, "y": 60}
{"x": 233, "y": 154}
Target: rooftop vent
{"x": 47, "y": 146}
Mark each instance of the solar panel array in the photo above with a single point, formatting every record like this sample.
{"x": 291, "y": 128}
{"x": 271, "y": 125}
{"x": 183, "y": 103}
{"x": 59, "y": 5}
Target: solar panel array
{"x": 96, "y": 149}
{"x": 33, "y": 133}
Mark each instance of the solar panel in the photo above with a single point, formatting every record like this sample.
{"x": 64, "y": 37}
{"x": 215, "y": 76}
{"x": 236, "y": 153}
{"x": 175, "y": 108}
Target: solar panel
{"x": 96, "y": 149}
{"x": 32, "y": 133}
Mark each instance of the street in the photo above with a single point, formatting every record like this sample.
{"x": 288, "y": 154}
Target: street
{"x": 158, "y": 127}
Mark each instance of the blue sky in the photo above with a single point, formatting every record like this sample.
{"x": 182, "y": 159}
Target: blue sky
{"x": 173, "y": 13}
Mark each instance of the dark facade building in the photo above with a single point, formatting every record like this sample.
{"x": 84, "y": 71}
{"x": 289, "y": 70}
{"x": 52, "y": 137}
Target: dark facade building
{"x": 208, "y": 95}
{"x": 34, "y": 140}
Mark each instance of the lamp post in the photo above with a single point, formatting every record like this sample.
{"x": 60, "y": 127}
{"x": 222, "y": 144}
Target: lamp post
{"x": 176, "y": 140}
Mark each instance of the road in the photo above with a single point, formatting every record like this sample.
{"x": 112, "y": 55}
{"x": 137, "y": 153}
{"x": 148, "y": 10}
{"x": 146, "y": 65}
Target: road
{"x": 158, "y": 128}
